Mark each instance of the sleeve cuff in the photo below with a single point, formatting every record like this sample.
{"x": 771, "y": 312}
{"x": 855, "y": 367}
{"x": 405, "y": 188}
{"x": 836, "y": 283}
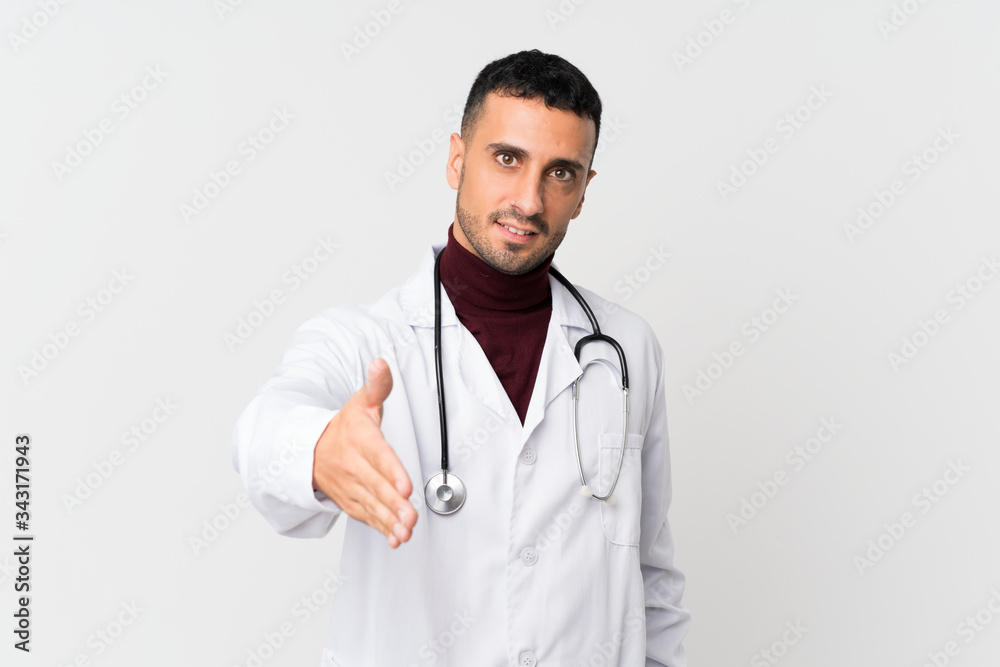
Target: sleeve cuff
{"x": 297, "y": 439}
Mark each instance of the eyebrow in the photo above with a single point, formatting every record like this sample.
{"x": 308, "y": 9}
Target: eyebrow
{"x": 523, "y": 155}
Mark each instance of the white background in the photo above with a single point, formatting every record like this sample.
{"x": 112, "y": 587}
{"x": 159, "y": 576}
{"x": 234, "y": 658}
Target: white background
{"x": 672, "y": 131}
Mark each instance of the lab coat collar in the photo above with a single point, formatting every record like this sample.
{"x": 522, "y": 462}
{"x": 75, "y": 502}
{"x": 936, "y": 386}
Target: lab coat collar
{"x": 557, "y": 369}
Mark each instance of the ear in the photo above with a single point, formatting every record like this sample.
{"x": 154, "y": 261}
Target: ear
{"x": 579, "y": 207}
{"x": 456, "y": 156}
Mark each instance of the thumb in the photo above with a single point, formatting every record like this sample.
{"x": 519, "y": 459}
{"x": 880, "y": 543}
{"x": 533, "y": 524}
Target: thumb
{"x": 379, "y": 384}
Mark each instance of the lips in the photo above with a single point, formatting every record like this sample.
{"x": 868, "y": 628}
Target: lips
{"x": 516, "y": 230}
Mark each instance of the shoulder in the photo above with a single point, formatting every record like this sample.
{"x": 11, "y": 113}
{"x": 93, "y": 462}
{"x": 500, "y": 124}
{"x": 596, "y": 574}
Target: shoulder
{"x": 358, "y": 322}
{"x": 358, "y": 332}
{"x": 342, "y": 321}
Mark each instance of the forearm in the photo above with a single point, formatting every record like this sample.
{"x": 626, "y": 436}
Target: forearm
{"x": 275, "y": 437}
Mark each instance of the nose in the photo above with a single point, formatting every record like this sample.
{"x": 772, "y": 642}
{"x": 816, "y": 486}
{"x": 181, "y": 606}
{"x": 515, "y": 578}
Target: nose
{"x": 527, "y": 196}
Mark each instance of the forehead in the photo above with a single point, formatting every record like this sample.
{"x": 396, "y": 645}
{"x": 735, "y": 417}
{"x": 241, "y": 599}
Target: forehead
{"x": 529, "y": 124}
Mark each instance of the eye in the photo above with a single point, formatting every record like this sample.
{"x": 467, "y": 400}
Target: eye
{"x": 563, "y": 174}
{"x": 506, "y": 159}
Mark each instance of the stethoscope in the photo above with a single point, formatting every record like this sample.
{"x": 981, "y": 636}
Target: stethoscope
{"x": 445, "y": 492}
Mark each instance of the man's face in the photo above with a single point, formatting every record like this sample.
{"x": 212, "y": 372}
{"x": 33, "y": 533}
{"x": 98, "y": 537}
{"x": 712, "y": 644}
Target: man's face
{"x": 525, "y": 167}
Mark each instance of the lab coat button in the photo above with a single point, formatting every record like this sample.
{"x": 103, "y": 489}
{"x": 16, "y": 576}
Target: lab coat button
{"x": 529, "y": 557}
{"x": 527, "y": 659}
{"x": 528, "y": 455}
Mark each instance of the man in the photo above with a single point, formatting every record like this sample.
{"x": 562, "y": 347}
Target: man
{"x": 528, "y": 570}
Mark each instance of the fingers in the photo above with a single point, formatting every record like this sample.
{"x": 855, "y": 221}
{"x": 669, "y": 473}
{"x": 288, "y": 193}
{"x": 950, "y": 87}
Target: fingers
{"x": 392, "y": 486}
{"x": 365, "y": 495}
{"x": 382, "y": 458}
{"x": 392, "y": 514}
{"x": 374, "y": 483}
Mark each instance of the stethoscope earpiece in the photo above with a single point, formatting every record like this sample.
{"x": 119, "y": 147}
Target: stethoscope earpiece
{"x": 587, "y": 492}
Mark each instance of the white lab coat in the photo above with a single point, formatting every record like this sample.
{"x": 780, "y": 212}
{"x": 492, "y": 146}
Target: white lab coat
{"x": 528, "y": 571}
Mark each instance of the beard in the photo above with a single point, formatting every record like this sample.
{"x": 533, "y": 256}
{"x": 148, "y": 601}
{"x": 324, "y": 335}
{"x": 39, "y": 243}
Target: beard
{"x": 506, "y": 257}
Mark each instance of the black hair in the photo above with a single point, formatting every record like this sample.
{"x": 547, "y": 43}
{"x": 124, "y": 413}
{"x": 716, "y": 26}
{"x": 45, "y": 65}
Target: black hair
{"x": 532, "y": 75}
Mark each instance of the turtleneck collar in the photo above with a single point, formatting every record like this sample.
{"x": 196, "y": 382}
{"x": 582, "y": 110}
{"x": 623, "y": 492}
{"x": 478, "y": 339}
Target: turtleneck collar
{"x": 467, "y": 277}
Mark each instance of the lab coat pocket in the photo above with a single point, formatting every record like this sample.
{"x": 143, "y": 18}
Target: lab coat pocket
{"x": 621, "y": 520}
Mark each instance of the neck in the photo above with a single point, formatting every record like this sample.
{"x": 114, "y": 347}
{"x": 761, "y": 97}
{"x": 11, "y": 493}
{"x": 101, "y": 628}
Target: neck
{"x": 467, "y": 277}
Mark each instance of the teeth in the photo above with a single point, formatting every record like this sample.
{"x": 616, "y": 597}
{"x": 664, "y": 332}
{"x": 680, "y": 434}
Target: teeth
{"x": 516, "y": 231}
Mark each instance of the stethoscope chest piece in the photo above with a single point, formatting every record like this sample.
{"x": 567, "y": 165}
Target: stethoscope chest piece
{"x": 444, "y": 493}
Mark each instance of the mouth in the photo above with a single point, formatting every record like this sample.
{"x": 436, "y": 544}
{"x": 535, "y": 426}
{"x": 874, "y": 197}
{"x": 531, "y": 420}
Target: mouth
{"x": 516, "y": 230}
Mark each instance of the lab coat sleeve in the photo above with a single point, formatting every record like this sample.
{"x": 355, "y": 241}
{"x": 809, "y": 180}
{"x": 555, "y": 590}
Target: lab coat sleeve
{"x": 666, "y": 620}
{"x": 275, "y": 437}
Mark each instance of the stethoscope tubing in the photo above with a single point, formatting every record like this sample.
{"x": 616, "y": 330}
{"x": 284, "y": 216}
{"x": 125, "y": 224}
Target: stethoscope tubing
{"x": 595, "y": 336}
{"x": 438, "y": 363}
{"x": 585, "y": 488}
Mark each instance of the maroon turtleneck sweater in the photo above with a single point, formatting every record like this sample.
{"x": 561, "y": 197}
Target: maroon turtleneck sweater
{"x": 508, "y": 315}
